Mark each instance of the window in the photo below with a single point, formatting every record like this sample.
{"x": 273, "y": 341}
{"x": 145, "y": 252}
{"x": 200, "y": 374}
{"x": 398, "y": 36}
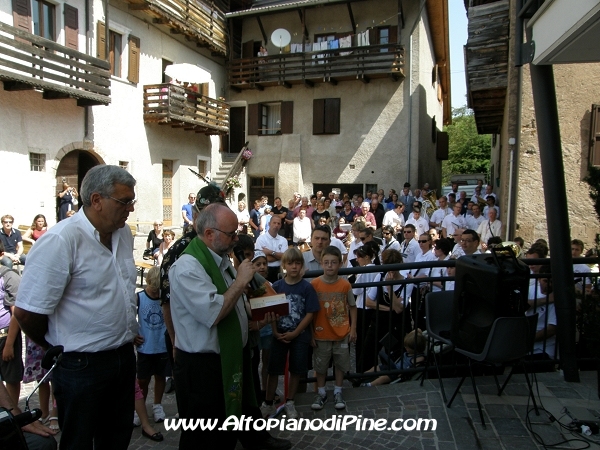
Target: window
{"x": 203, "y": 167}
{"x": 124, "y": 165}
{"x": 326, "y": 116}
{"x": 270, "y": 118}
{"x": 115, "y": 48}
{"x": 44, "y": 19}
{"x": 37, "y": 162}
{"x": 384, "y": 37}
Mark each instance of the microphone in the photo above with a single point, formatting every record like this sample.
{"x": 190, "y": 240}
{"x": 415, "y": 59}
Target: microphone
{"x": 258, "y": 281}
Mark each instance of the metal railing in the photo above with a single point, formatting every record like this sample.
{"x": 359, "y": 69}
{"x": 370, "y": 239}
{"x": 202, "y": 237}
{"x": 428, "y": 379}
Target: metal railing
{"x": 381, "y": 331}
{"x": 322, "y": 65}
{"x": 61, "y": 72}
{"x": 170, "y": 103}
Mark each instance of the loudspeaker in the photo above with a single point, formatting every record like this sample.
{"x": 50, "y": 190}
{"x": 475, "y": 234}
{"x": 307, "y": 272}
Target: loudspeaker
{"x": 488, "y": 286}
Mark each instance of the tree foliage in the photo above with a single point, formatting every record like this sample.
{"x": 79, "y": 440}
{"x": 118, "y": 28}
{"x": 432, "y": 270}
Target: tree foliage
{"x": 469, "y": 152}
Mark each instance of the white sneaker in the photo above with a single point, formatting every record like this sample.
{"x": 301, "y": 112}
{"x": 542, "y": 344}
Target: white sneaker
{"x": 159, "y": 413}
{"x": 136, "y": 420}
{"x": 267, "y": 410}
{"x": 290, "y": 410}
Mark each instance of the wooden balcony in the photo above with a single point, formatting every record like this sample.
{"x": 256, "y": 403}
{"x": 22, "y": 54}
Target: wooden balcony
{"x": 28, "y": 61}
{"x": 199, "y": 21}
{"x": 324, "y": 66}
{"x": 169, "y": 104}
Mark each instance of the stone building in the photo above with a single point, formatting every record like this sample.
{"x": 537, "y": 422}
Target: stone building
{"x": 500, "y": 94}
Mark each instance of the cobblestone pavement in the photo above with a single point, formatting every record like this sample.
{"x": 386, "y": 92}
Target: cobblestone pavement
{"x": 458, "y": 427}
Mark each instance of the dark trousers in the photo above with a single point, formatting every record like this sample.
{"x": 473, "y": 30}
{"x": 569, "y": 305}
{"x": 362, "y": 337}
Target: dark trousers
{"x": 91, "y": 388}
{"x": 200, "y": 396}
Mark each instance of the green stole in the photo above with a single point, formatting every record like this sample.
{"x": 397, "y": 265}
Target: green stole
{"x": 234, "y": 372}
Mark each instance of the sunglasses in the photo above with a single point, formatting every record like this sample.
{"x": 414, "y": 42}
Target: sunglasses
{"x": 7, "y": 221}
{"x": 407, "y": 232}
{"x": 422, "y": 241}
{"x": 466, "y": 241}
{"x": 363, "y": 238}
{"x": 386, "y": 234}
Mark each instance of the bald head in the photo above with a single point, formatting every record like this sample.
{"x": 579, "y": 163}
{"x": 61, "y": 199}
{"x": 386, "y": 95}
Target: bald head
{"x": 216, "y": 226}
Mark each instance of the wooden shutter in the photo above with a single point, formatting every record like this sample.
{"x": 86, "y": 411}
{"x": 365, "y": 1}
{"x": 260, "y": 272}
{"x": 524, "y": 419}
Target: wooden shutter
{"x": 373, "y": 38}
{"x": 248, "y": 49}
{"x": 394, "y": 34}
{"x": 595, "y": 136}
{"x": 204, "y": 89}
{"x": 332, "y": 116}
{"x": 318, "y": 116}
{"x": 22, "y": 14}
{"x": 101, "y": 40}
{"x": 254, "y": 118}
{"x": 71, "y": 27}
{"x": 133, "y": 72}
{"x": 287, "y": 117}
{"x": 441, "y": 147}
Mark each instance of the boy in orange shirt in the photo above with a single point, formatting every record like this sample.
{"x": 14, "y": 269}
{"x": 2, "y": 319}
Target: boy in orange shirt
{"x": 334, "y": 326}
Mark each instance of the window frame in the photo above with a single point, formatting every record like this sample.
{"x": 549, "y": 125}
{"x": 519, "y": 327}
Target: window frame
{"x": 255, "y": 115}
{"x": 112, "y": 34}
{"x": 39, "y": 12}
{"x": 37, "y": 162}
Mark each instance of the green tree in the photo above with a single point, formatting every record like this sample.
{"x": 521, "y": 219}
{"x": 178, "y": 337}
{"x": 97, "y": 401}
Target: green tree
{"x": 468, "y": 152}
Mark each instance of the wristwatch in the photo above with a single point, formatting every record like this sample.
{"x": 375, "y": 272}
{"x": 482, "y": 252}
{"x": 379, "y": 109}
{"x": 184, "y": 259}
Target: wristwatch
{"x": 273, "y": 253}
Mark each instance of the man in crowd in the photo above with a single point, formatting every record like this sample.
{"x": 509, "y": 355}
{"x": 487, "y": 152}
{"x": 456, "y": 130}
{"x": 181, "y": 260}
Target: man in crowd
{"x": 469, "y": 242}
{"x": 409, "y": 247}
{"x": 79, "y": 292}
{"x": 395, "y": 218}
{"x": 186, "y": 212}
{"x": 489, "y": 228}
{"x": 302, "y": 226}
{"x": 453, "y": 221}
{"x": 474, "y": 220}
{"x": 273, "y": 246}
{"x": 439, "y": 214}
{"x": 13, "y": 243}
{"x": 420, "y": 224}
{"x": 377, "y": 210}
{"x": 407, "y": 198}
{"x": 209, "y": 312}
{"x": 319, "y": 240}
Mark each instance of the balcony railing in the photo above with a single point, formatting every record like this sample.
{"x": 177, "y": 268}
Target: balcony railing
{"x": 350, "y": 63}
{"x": 28, "y": 61}
{"x": 182, "y": 108}
{"x": 201, "y": 21}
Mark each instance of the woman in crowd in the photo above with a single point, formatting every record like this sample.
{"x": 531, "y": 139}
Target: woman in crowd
{"x": 155, "y": 238}
{"x": 169, "y": 240}
{"x": 243, "y": 217}
{"x": 38, "y": 227}
{"x": 320, "y": 212}
{"x": 68, "y": 199}
{"x": 442, "y": 250}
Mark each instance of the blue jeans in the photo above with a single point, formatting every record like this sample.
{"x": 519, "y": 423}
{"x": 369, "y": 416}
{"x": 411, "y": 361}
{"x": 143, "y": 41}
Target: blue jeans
{"x": 95, "y": 398}
{"x": 6, "y": 261}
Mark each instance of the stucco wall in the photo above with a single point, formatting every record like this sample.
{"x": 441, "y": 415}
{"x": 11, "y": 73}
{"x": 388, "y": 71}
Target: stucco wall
{"x": 375, "y": 121}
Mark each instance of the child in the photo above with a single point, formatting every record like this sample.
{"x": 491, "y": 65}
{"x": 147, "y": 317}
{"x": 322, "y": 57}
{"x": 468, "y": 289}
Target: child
{"x": 291, "y": 333}
{"x": 414, "y": 346}
{"x": 151, "y": 351}
{"x": 334, "y": 326}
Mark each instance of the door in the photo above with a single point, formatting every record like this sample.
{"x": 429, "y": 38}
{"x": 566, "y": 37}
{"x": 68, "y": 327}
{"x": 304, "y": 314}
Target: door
{"x": 167, "y": 192}
{"x": 237, "y": 128}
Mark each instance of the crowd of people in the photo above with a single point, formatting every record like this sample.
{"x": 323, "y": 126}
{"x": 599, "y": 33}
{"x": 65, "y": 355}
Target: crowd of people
{"x": 193, "y": 319}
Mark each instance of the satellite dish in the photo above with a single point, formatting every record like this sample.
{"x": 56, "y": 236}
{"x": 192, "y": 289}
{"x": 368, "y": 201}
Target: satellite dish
{"x": 281, "y": 38}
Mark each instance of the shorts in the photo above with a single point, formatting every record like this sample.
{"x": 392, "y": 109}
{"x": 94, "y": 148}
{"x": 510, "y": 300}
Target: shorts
{"x": 151, "y": 364}
{"x": 12, "y": 371}
{"x": 323, "y": 352}
{"x": 298, "y": 350}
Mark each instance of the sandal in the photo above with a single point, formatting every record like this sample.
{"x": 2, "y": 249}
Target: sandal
{"x": 53, "y": 426}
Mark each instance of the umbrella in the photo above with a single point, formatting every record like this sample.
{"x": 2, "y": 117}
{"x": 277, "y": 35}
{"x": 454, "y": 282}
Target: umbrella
{"x": 188, "y": 73}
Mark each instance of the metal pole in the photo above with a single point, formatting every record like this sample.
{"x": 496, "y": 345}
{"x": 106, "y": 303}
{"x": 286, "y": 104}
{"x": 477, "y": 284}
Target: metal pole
{"x": 555, "y": 195}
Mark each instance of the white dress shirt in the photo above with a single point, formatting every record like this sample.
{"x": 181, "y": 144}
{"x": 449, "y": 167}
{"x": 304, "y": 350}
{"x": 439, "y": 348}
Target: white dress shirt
{"x": 277, "y": 244}
{"x": 489, "y": 229}
{"x": 195, "y": 304}
{"x": 452, "y": 222}
{"x": 86, "y": 290}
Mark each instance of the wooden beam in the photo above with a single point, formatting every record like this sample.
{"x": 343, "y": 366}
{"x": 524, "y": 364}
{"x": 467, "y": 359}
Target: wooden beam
{"x": 352, "y": 21}
{"x": 160, "y": 21}
{"x": 262, "y": 30}
{"x": 139, "y": 7}
{"x": 332, "y": 81}
{"x": 259, "y": 87}
{"x": 365, "y": 79}
{"x": 174, "y": 31}
{"x": 235, "y": 88}
{"x": 53, "y": 95}
{"x": 309, "y": 84}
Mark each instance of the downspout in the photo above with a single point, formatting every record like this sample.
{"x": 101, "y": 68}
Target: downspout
{"x": 88, "y": 51}
{"x": 511, "y": 229}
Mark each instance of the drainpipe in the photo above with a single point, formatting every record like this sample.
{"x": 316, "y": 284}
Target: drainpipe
{"x": 88, "y": 51}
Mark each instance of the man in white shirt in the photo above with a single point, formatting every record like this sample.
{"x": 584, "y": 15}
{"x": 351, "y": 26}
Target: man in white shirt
{"x": 273, "y": 246}
{"x": 489, "y": 228}
{"x": 395, "y": 218}
{"x": 302, "y": 227}
{"x": 210, "y": 317}
{"x": 453, "y": 221}
{"x": 439, "y": 214}
{"x": 421, "y": 225}
{"x": 409, "y": 248}
{"x": 79, "y": 292}
{"x": 474, "y": 220}
{"x": 491, "y": 204}
{"x": 419, "y": 204}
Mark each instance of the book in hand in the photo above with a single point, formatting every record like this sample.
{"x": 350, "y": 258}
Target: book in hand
{"x": 277, "y": 304}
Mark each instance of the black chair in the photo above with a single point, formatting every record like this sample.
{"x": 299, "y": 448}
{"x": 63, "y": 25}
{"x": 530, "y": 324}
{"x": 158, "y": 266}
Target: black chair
{"x": 509, "y": 340}
{"x": 438, "y": 320}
